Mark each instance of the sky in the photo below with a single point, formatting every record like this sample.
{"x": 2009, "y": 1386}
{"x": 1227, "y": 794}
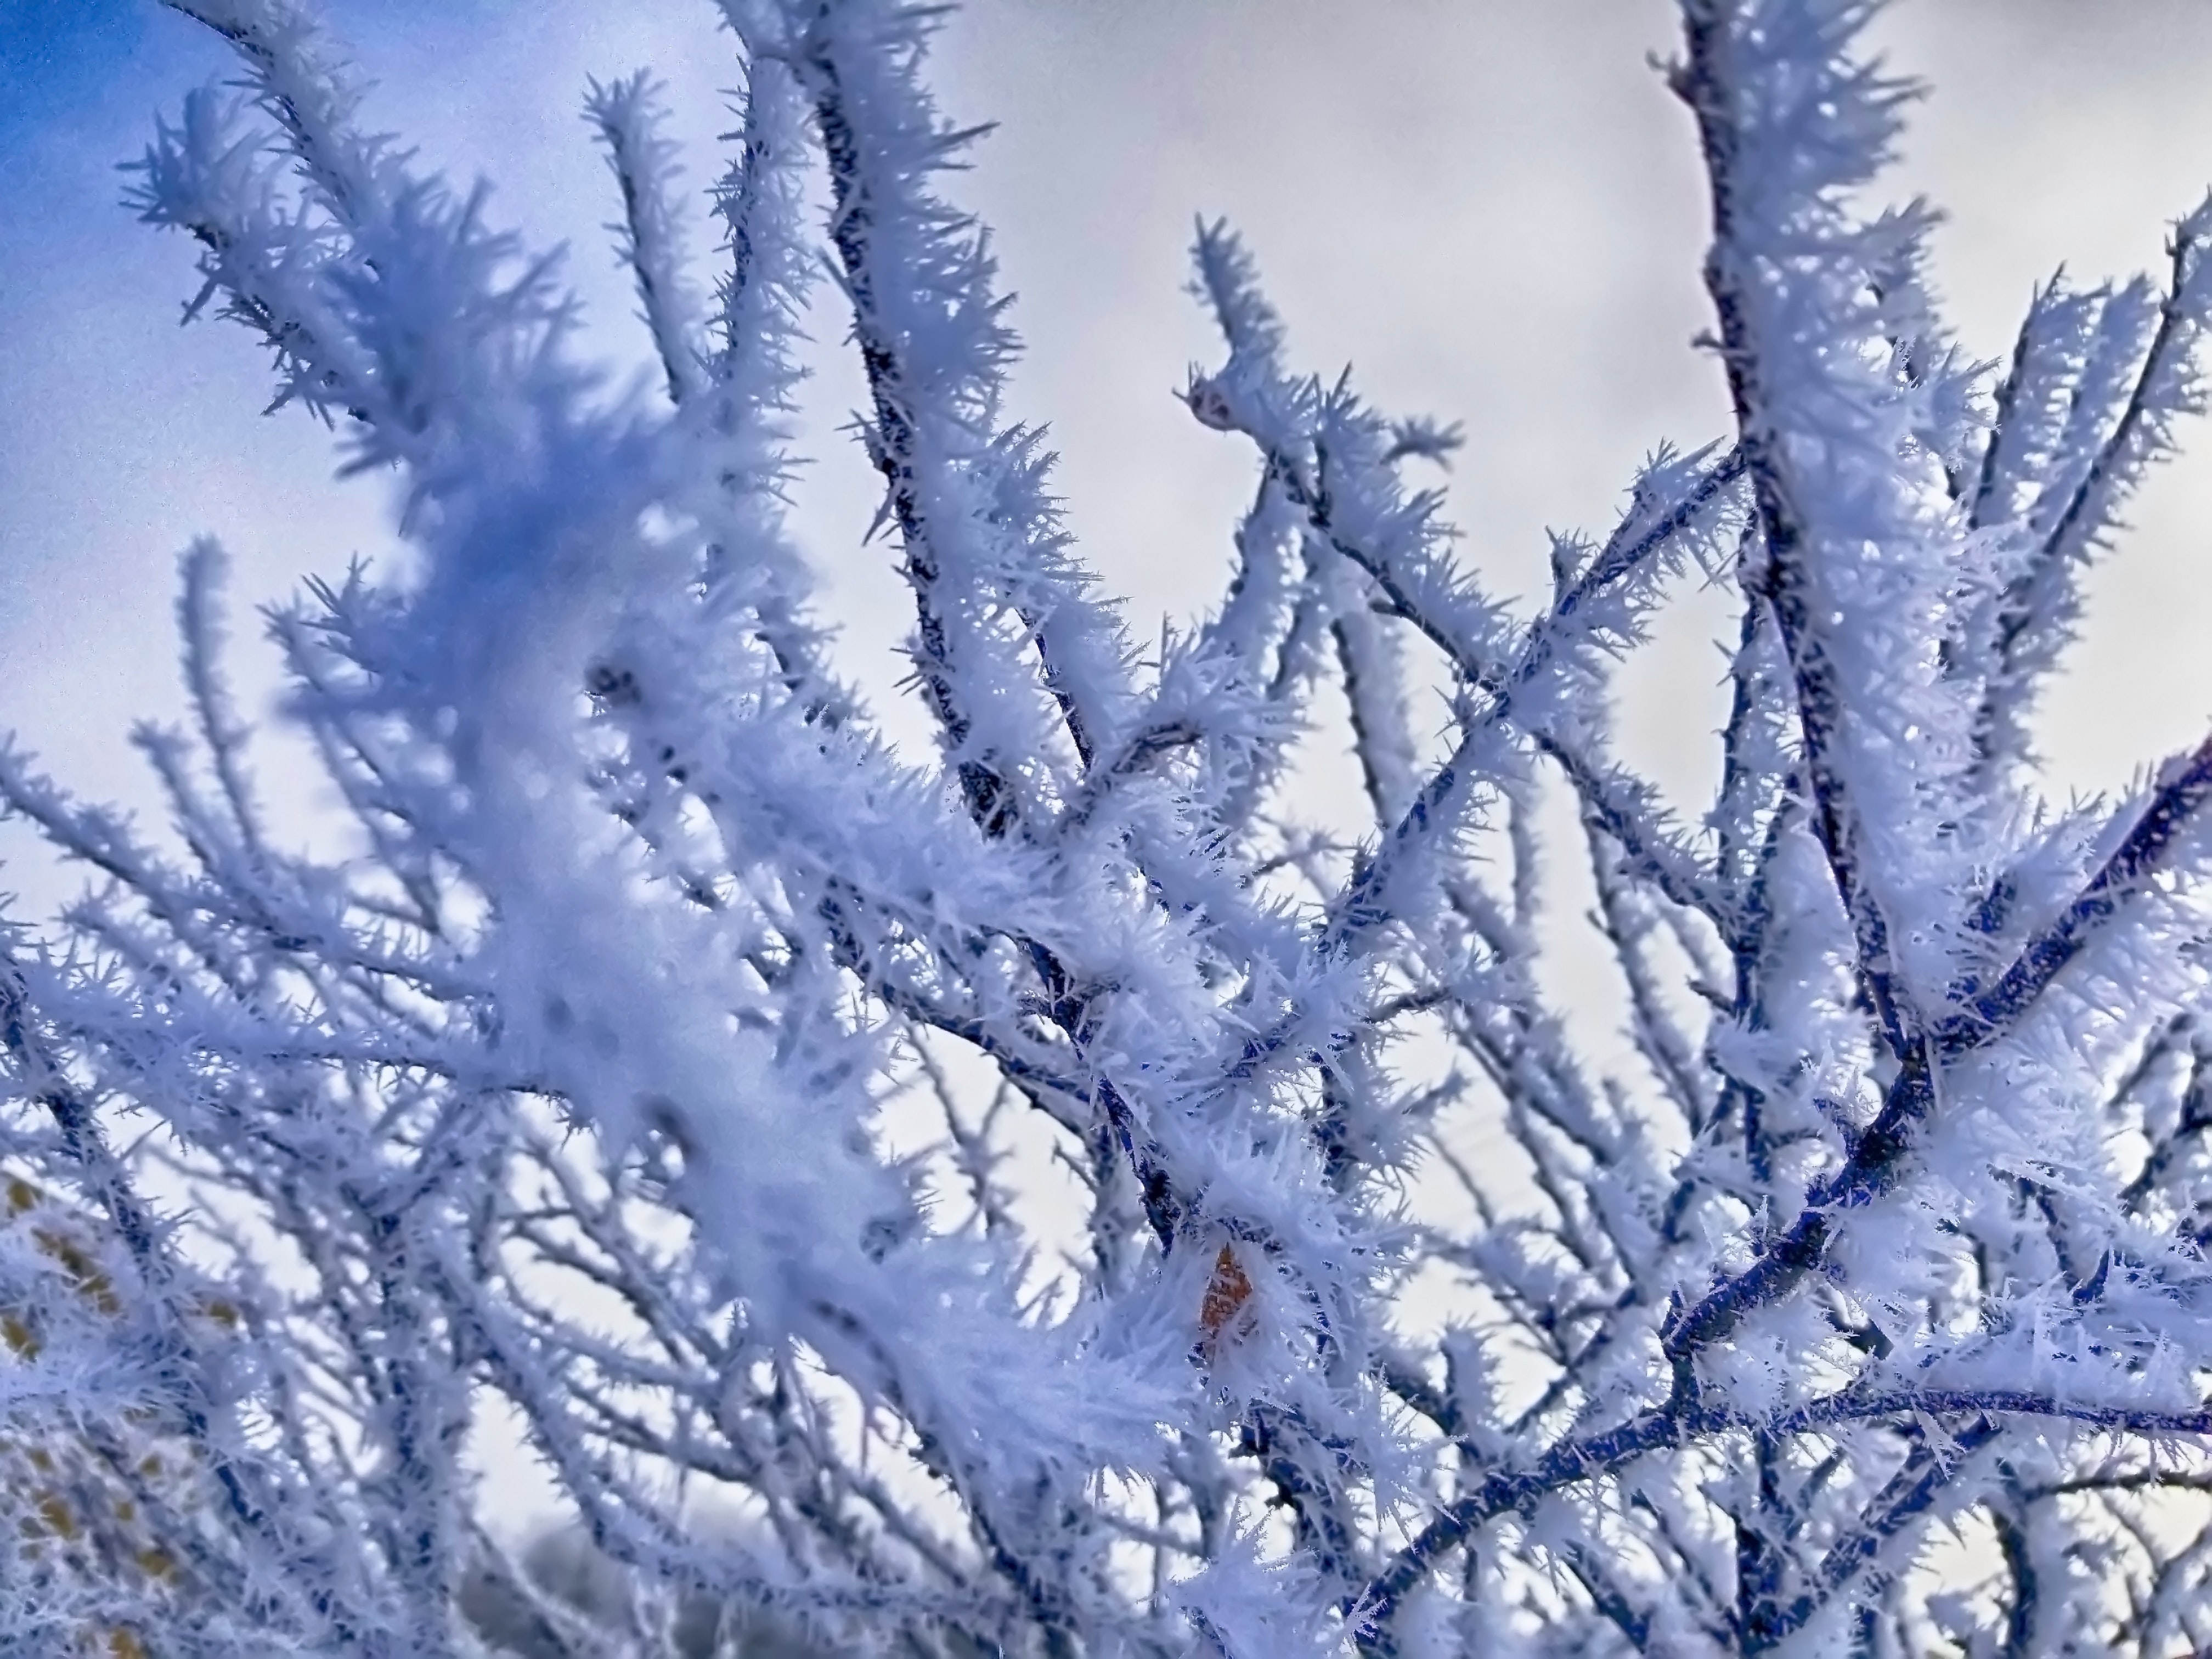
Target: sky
{"x": 1489, "y": 208}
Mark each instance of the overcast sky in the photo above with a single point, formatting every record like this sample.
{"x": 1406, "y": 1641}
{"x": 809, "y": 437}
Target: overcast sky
{"x": 1490, "y": 208}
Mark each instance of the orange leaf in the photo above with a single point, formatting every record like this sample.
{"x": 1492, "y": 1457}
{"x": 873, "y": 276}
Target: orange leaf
{"x": 1226, "y": 1293}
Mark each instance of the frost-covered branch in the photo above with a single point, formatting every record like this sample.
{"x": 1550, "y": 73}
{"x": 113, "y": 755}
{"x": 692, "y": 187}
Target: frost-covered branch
{"x": 1068, "y": 1194}
{"x": 627, "y": 115}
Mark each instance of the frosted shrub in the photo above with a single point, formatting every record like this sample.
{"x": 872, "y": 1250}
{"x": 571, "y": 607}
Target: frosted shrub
{"x": 1864, "y": 1311}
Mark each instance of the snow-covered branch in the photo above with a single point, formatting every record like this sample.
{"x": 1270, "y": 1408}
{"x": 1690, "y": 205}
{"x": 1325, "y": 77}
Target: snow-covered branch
{"x": 1006, "y": 1201}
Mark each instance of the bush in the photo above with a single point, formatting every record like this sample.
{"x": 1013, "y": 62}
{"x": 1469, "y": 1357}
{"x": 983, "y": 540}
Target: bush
{"x": 562, "y": 1083}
